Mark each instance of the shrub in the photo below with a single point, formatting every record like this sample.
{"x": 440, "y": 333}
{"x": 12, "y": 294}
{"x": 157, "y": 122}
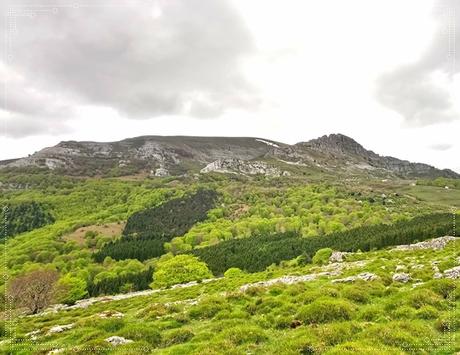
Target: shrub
{"x": 233, "y": 272}
{"x": 322, "y": 256}
{"x": 335, "y": 333}
{"x": 427, "y": 312}
{"x": 371, "y": 313}
{"x": 70, "y": 289}
{"x": 111, "y": 325}
{"x": 422, "y": 297}
{"x": 355, "y": 293}
{"x": 244, "y": 334}
{"x": 180, "y": 269}
{"x": 449, "y": 321}
{"x": 443, "y": 287}
{"x": 208, "y": 308}
{"x": 177, "y": 336}
{"x": 326, "y": 310}
{"x": 144, "y": 332}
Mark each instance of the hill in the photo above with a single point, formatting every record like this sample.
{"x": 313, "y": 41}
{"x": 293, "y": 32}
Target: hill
{"x": 178, "y": 155}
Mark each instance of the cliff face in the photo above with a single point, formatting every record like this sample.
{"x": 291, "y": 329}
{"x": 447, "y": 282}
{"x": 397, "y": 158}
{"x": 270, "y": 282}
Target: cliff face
{"x": 162, "y": 156}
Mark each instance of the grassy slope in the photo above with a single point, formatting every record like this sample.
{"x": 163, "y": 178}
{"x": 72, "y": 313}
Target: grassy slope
{"x": 378, "y": 317}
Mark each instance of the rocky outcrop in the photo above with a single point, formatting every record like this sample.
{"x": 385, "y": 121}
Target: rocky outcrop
{"x": 178, "y": 155}
{"x": 401, "y": 277}
{"x": 366, "y": 276}
{"x": 453, "y": 273}
{"x": 241, "y": 167}
{"x": 116, "y": 340}
{"x": 60, "y": 328}
{"x": 436, "y": 244}
{"x": 337, "y": 256}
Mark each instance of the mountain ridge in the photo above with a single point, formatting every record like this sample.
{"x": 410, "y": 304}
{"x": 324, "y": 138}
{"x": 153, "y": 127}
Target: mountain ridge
{"x": 178, "y": 155}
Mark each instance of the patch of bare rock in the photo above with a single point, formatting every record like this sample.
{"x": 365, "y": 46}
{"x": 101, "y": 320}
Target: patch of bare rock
{"x": 116, "y": 340}
{"x": 366, "y": 276}
{"x": 437, "y": 244}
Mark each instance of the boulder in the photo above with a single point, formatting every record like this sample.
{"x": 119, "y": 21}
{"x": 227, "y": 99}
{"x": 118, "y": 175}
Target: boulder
{"x": 366, "y": 276}
{"x": 401, "y": 277}
{"x": 116, "y": 340}
{"x": 437, "y": 244}
{"x": 337, "y": 257}
{"x": 453, "y": 273}
{"x": 60, "y": 328}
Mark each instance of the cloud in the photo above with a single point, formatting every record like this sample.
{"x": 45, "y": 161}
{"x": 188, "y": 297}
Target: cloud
{"x": 419, "y": 91}
{"x": 441, "y": 146}
{"x": 143, "y": 59}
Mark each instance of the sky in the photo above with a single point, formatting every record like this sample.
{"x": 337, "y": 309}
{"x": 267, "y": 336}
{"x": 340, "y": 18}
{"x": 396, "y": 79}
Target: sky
{"x": 385, "y": 73}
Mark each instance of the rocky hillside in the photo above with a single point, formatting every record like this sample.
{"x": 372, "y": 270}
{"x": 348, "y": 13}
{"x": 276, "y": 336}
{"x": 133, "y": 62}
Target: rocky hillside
{"x": 176, "y": 155}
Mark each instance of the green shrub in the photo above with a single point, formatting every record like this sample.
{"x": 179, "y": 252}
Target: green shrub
{"x": 233, "y": 272}
{"x": 177, "y": 336}
{"x": 111, "y": 325}
{"x": 355, "y": 293}
{"x": 449, "y": 321}
{"x": 356, "y": 347}
{"x": 180, "y": 269}
{"x": 326, "y": 310}
{"x": 144, "y": 332}
{"x": 443, "y": 287}
{"x": 427, "y": 312}
{"x": 335, "y": 333}
{"x": 403, "y": 312}
{"x": 423, "y": 297}
{"x": 371, "y": 313}
{"x": 244, "y": 334}
{"x": 208, "y": 308}
{"x": 322, "y": 256}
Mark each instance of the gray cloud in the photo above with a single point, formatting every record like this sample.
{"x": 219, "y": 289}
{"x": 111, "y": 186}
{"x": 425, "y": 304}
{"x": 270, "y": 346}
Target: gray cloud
{"x": 441, "y": 146}
{"x": 143, "y": 59}
{"x": 411, "y": 90}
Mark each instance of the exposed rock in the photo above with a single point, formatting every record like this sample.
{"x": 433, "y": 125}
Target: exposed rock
{"x": 401, "y": 277}
{"x": 335, "y": 152}
{"x": 33, "y": 335}
{"x": 289, "y": 280}
{"x": 111, "y": 314}
{"x": 400, "y": 268}
{"x": 239, "y": 166}
{"x": 116, "y": 340}
{"x": 161, "y": 172}
{"x": 55, "y": 351}
{"x": 366, "y": 276}
{"x": 60, "y": 328}
{"x": 337, "y": 256}
{"x": 437, "y": 244}
{"x": 453, "y": 273}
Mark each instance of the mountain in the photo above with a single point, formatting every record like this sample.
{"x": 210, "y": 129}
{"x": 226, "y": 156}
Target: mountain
{"x": 177, "y": 155}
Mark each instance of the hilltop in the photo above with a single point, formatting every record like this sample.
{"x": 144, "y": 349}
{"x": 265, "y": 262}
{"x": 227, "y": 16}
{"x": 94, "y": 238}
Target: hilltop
{"x": 178, "y": 155}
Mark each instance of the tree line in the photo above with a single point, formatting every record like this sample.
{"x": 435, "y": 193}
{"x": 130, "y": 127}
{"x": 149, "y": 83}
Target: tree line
{"x": 146, "y": 231}
{"x": 256, "y": 253}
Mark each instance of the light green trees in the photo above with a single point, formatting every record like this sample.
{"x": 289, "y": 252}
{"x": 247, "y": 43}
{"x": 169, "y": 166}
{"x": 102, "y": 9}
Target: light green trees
{"x": 180, "y": 269}
{"x": 70, "y": 289}
{"x": 322, "y": 256}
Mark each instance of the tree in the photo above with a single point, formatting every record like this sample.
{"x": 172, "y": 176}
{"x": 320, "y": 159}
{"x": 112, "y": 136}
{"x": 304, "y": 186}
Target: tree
{"x": 34, "y": 290}
{"x": 180, "y": 269}
{"x": 322, "y": 256}
{"x": 70, "y": 289}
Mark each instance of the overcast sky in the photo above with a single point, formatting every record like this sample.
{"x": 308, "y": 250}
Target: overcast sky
{"x": 382, "y": 72}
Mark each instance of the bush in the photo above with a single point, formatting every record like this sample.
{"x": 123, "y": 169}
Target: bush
{"x": 449, "y": 321}
{"x": 177, "y": 336}
{"x": 443, "y": 287}
{"x": 180, "y": 269}
{"x": 208, "y": 308}
{"x": 355, "y": 293}
{"x": 144, "y": 332}
{"x": 423, "y": 297}
{"x": 322, "y": 256}
{"x": 244, "y": 334}
{"x": 427, "y": 312}
{"x": 326, "y": 310}
{"x": 233, "y": 272}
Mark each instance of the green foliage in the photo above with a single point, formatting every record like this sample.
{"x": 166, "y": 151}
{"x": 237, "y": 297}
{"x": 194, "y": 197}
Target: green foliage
{"x": 322, "y": 256}
{"x": 180, "y": 269}
{"x": 325, "y": 310}
{"x": 256, "y": 253}
{"x": 70, "y": 289}
{"x": 233, "y": 272}
{"x": 120, "y": 283}
{"x": 144, "y": 332}
{"x": 146, "y": 231}
{"x": 24, "y": 217}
